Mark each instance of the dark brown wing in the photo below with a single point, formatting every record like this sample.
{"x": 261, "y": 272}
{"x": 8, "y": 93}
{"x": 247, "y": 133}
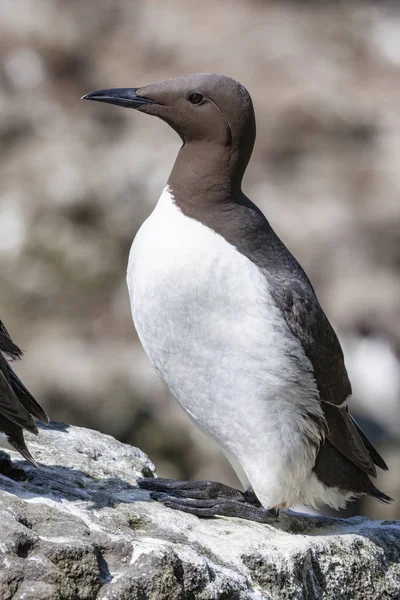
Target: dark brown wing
{"x": 7, "y": 345}
{"x": 244, "y": 226}
{"x": 26, "y": 398}
{"x": 376, "y": 457}
{"x": 309, "y": 324}
{"x": 17, "y": 405}
{"x": 20, "y": 393}
{"x": 343, "y": 434}
{"x": 15, "y": 437}
{"x": 10, "y": 406}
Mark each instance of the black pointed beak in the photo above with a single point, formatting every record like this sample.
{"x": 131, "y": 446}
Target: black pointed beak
{"x": 120, "y": 96}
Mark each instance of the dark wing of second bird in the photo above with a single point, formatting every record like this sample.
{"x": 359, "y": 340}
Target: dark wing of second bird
{"x": 18, "y": 407}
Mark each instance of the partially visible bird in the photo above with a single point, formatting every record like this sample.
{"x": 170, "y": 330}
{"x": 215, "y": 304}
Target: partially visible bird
{"x": 17, "y": 405}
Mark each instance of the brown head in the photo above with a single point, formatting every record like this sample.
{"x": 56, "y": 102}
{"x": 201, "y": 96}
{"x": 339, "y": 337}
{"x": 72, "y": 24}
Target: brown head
{"x": 213, "y": 114}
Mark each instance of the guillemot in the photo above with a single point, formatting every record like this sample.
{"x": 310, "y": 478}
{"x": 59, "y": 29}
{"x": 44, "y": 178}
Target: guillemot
{"x": 17, "y": 405}
{"x": 231, "y": 322}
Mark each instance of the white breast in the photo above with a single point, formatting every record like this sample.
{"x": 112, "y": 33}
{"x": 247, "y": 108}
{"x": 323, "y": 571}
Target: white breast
{"x": 215, "y": 337}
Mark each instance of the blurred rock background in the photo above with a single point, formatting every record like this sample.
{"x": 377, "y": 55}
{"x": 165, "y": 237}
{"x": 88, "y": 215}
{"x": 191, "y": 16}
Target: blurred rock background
{"x": 78, "y": 179}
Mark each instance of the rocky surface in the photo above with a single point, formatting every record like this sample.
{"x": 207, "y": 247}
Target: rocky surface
{"x": 79, "y": 529}
{"x": 77, "y": 180}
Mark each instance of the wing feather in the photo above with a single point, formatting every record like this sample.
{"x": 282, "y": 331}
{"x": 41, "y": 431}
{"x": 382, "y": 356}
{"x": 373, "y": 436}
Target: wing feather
{"x": 12, "y": 408}
{"x": 17, "y": 405}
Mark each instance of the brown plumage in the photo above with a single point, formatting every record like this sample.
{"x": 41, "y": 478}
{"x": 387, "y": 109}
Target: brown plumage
{"x": 18, "y": 407}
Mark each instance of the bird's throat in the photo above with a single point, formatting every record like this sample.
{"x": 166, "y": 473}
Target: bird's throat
{"x": 201, "y": 174}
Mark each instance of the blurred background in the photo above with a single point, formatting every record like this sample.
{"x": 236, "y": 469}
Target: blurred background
{"x": 77, "y": 179}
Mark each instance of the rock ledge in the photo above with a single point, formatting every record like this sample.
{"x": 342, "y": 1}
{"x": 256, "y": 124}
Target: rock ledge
{"x": 79, "y": 529}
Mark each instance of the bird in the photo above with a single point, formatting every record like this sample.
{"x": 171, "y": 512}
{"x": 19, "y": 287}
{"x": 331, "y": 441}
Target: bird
{"x": 18, "y": 407}
{"x": 232, "y": 324}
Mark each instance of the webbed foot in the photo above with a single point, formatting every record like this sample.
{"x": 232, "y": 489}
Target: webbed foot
{"x": 207, "y": 499}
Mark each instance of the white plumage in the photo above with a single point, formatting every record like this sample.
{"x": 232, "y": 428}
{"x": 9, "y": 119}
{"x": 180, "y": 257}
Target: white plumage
{"x": 208, "y": 323}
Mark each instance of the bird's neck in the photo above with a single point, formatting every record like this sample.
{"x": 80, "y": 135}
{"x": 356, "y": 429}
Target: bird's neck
{"x": 206, "y": 173}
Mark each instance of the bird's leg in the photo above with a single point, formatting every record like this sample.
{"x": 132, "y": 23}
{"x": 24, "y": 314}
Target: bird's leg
{"x": 207, "y": 499}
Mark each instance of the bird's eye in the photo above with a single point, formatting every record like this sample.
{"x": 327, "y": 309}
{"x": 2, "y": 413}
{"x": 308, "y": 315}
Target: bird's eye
{"x": 195, "y": 98}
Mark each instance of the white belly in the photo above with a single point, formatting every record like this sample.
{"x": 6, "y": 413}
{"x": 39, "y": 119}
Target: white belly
{"x": 215, "y": 337}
